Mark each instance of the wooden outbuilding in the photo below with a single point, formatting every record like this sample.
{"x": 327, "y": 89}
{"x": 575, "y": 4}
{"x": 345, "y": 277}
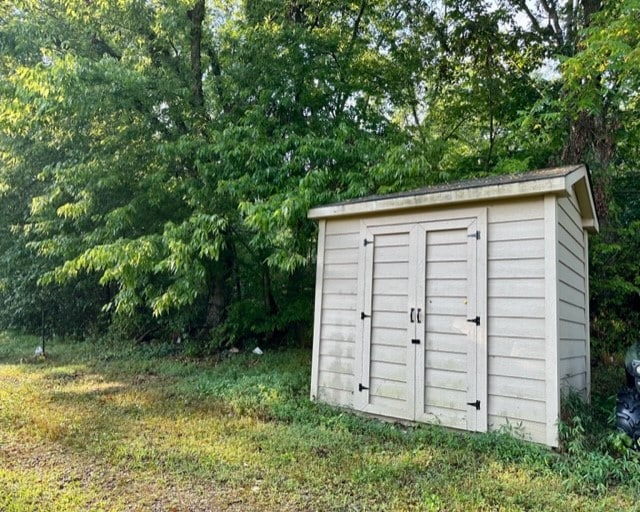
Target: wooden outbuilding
{"x": 465, "y": 305}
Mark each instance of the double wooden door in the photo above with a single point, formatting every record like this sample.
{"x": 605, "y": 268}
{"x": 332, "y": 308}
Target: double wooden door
{"x": 421, "y": 351}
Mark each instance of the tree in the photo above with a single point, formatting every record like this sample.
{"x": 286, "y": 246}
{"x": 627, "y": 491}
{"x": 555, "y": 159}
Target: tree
{"x": 185, "y": 159}
{"x": 161, "y": 156}
{"x": 601, "y": 84}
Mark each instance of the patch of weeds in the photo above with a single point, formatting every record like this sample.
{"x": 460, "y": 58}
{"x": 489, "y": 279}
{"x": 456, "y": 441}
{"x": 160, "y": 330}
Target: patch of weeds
{"x": 508, "y": 445}
{"x": 270, "y": 386}
{"x": 20, "y": 349}
{"x": 65, "y": 375}
{"x": 596, "y": 456}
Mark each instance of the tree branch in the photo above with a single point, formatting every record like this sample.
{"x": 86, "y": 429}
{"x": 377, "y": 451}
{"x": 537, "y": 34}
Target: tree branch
{"x": 570, "y": 30}
{"x": 550, "y": 7}
{"x": 522, "y": 4}
{"x": 102, "y": 48}
{"x": 590, "y": 7}
{"x": 356, "y": 26}
{"x": 354, "y": 35}
{"x": 454, "y": 129}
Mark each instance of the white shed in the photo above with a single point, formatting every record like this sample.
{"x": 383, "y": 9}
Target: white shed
{"x": 465, "y": 305}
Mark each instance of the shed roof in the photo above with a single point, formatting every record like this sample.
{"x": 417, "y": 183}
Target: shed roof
{"x": 557, "y": 180}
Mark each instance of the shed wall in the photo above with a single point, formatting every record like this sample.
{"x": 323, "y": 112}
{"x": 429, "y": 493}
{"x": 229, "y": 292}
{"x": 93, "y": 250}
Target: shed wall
{"x": 516, "y": 310}
{"x": 573, "y": 296}
{"x": 338, "y": 318}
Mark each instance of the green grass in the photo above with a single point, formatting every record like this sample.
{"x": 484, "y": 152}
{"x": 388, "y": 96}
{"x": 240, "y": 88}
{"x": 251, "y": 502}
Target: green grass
{"x": 116, "y": 427}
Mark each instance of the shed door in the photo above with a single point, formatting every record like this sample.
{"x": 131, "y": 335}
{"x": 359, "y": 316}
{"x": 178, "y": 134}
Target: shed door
{"x": 451, "y": 376}
{"x": 386, "y": 384}
{"x": 420, "y": 351}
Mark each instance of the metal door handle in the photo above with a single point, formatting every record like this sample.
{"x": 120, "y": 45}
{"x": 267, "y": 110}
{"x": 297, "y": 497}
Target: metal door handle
{"x": 412, "y": 315}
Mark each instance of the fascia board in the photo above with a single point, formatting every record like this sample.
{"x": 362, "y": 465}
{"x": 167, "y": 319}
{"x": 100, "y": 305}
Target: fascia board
{"x": 579, "y": 182}
{"x": 556, "y": 185}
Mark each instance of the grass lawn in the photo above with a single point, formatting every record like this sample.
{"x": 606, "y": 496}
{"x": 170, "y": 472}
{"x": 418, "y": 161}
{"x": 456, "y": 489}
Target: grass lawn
{"x": 108, "y": 427}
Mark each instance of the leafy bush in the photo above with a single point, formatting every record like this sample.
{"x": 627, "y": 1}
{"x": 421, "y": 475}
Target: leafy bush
{"x": 596, "y": 456}
{"x": 615, "y": 270}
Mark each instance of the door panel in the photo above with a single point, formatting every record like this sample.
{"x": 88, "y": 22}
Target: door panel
{"x": 421, "y": 356}
{"x": 384, "y": 367}
{"x": 447, "y": 348}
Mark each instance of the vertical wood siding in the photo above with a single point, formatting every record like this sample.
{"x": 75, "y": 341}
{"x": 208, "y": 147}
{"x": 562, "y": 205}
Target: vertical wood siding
{"x": 572, "y": 295}
{"x": 338, "y": 318}
{"x": 516, "y": 307}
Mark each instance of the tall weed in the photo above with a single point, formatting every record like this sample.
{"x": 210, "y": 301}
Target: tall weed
{"x": 596, "y": 457}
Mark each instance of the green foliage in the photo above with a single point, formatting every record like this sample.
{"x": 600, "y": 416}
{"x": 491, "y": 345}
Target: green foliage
{"x": 600, "y": 84}
{"x": 156, "y": 168}
{"x": 598, "y": 456}
{"x": 194, "y": 216}
{"x": 615, "y": 288}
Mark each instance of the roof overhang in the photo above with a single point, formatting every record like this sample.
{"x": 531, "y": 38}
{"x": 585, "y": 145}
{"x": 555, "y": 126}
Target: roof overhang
{"x": 560, "y": 181}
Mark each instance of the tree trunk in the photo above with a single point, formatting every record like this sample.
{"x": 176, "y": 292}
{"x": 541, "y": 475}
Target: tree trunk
{"x": 591, "y": 138}
{"x": 196, "y": 15}
{"x": 270, "y": 305}
{"x": 216, "y": 307}
{"x": 590, "y": 7}
{"x": 219, "y": 276}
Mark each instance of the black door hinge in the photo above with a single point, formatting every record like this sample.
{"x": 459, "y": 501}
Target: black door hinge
{"x": 361, "y": 387}
{"x": 475, "y": 235}
{"x": 363, "y": 315}
{"x": 367, "y": 242}
{"x": 475, "y": 320}
{"x": 475, "y": 404}
{"x": 415, "y": 341}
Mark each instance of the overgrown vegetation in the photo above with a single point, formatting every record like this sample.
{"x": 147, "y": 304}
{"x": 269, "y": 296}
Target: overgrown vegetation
{"x": 111, "y": 426}
{"x": 158, "y": 158}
